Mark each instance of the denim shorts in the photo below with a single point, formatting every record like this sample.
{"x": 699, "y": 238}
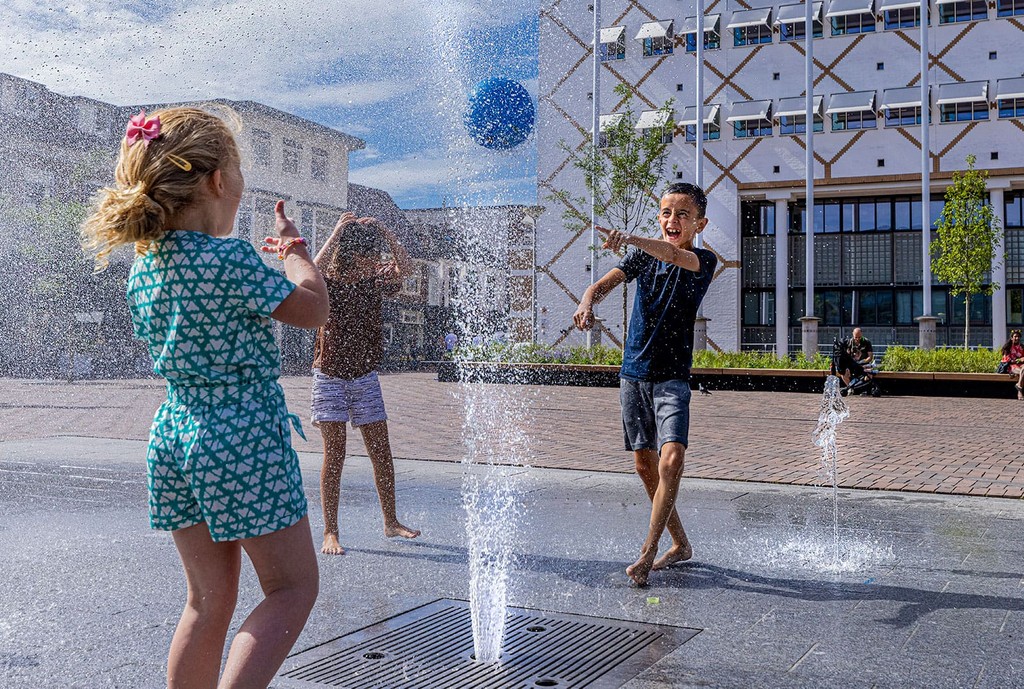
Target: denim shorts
{"x": 340, "y": 400}
{"x": 654, "y": 413}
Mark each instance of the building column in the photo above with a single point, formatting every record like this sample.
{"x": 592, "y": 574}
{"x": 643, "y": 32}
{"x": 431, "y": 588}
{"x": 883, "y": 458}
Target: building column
{"x": 782, "y": 276}
{"x": 926, "y": 332}
{"x": 809, "y": 336}
{"x": 998, "y": 272}
{"x": 700, "y": 333}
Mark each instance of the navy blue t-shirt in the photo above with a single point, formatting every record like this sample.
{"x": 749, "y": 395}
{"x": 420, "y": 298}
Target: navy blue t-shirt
{"x": 659, "y": 344}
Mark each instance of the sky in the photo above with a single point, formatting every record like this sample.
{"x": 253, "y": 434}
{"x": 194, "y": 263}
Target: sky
{"x": 396, "y": 74}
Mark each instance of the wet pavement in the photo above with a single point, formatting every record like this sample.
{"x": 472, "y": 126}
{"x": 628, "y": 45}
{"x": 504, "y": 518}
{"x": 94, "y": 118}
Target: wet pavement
{"x": 931, "y": 592}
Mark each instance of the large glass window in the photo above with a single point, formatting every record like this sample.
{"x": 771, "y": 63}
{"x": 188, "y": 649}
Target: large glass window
{"x": 712, "y": 131}
{"x": 902, "y": 18}
{"x": 963, "y": 112}
{"x": 963, "y": 11}
{"x": 1011, "y": 107}
{"x": 1009, "y": 8}
{"x": 858, "y": 119}
{"x": 757, "y": 218}
{"x": 795, "y": 31}
{"x": 797, "y": 124}
{"x": 712, "y": 41}
{"x": 854, "y": 23}
{"x": 751, "y": 35}
{"x": 748, "y": 129}
{"x": 902, "y": 117}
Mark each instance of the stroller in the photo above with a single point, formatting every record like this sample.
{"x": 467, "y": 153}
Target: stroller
{"x": 862, "y": 378}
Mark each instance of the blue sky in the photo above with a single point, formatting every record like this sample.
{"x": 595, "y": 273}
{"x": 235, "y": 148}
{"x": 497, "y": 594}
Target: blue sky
{"x": 395, "y": 74}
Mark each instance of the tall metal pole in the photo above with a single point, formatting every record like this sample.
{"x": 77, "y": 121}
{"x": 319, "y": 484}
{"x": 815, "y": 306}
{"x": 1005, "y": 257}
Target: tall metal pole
{"x": 809, "y": 157}
{"x": 698, "y": 166}
{"x": 596, "y": 129}
{"x": 926, "y": 222}
{"x": 698, "y": 171}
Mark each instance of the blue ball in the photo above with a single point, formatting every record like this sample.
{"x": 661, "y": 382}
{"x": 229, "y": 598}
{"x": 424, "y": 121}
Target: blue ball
{"x": 500, "y": 114}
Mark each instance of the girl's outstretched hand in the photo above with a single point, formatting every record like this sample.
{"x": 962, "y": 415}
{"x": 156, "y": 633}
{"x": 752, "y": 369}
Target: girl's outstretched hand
{"x": 285, "y": 228}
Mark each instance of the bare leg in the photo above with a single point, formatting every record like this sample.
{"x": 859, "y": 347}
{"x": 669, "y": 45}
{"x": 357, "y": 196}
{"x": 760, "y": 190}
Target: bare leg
{"x": 285, "y": 563}
{"x": 378, "y": 446}
{"x": 330, "y": 483}
{"x": 1020, "y": 385}
{"x": 211, "y": 570}
{"x": 670, "y": 471}
{"x": 647, "y": 468}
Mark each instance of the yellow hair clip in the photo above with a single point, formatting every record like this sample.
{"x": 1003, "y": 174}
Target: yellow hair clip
{"x": 180, "y": 162}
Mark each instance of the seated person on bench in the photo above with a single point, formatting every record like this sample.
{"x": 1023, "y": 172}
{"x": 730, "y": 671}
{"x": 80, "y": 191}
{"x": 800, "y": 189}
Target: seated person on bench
{"x": 856, "y": 358}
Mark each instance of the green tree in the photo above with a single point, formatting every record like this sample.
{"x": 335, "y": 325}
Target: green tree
{"x": 623, "y": 173}
{"x": 968, "y": 237}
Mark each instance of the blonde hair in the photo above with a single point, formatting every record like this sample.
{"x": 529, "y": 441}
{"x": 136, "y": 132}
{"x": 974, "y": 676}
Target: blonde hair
{"x": 151, "y": 184}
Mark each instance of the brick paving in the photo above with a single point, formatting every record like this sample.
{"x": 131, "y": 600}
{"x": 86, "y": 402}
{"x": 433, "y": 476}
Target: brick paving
{"x": 930, "y": 445}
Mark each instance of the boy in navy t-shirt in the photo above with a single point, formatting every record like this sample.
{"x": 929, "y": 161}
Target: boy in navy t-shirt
{"x": 672, "y": 277}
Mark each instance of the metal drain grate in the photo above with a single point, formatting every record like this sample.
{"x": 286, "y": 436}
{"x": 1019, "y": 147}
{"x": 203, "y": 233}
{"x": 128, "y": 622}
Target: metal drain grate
{"x": 432, "y": 646}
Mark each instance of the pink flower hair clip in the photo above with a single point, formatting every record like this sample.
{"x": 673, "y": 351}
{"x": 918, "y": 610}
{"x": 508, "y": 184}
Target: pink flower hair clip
{"x": 141, "y": 129}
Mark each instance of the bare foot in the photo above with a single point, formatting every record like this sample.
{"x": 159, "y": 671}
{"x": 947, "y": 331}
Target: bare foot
{"x": 677, "y": 553}
{"x": 331, "y": 545}
{"x": 639, "y": 570}
{"x": 397, "y": 529}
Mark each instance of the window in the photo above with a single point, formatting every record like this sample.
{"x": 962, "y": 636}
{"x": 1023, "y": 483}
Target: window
{"x": 261, "y": 145}
{"x": 905, "y": 17}
{"x": 963, "y": 112}
{"x": 792, "y": 21}
{"x": 1009, "y": 8}
{"x": 797, "y": 124}
{"x": 712, "y": 123}
{"x": 318, "y": 165}
{"x": 860, "y": 119}
{"x": 758, "y": 308}
{"x": 1011, "y": 107}
{"x": 610, "y": 127}
{"x": 613, "y": 44}
{"x": 657, "y": 38}
{"x": 411, "y": 285}
{"x": 751, "y": 35}
{"x": 749, "y": 129}
{"x": 751, "y": 27}
{"x": 751, "y": 119}
{"x": 854, "y": 23}
{"x": 656, "y": 123}
{"x": 712, "y": 33}
{"x": 712, "y": 132}
{"x": 962, "y": 11}
{"x": 1009, "y": 97}
{"x": 902, "y": 117}
{"x": 290, "y": 162}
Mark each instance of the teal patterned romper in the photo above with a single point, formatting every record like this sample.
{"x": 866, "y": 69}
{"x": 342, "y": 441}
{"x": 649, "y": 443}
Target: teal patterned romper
{"x": 220, "y": 446}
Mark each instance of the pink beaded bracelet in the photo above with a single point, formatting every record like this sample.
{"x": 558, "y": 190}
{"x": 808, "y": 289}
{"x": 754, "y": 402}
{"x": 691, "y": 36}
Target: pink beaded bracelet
{"x": 283, "y": 248}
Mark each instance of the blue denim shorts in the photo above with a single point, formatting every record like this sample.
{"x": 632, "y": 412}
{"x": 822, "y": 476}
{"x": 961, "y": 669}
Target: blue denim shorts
{"x": 654, "y": 413}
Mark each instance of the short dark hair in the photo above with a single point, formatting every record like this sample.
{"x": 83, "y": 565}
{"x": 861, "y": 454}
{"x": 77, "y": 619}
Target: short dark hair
{"x": 700, "y": 199}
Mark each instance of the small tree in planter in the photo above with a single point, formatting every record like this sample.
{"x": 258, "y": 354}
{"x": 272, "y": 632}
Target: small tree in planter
{"x": 623, "y": 173}
{"x": 968, "y": 236}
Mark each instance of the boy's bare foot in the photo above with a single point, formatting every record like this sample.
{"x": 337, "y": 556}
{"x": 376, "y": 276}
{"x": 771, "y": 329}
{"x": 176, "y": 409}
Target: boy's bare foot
{"x": 397, "y": 529}
{"x": 639, "y": 570}
{"x": 331, "y": 545}
{"x": 677, "y": 553}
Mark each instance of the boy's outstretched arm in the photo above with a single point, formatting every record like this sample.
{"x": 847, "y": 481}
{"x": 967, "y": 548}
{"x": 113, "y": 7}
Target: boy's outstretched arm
{"x": 658, "y": 248}
{"x": 584, "y": 316}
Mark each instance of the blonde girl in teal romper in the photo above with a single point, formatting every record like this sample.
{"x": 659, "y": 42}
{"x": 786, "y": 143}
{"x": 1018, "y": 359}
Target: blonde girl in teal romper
{"x": 222, "y": 474}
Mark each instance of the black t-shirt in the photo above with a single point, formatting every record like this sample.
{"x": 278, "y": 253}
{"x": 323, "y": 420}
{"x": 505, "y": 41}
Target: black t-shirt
{"x": 859, "y": 350}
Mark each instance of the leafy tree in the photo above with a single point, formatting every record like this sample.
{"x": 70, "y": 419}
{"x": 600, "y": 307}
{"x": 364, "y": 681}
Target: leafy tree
{"x": 622, "y": 173}
{"x": 968, "y": 236}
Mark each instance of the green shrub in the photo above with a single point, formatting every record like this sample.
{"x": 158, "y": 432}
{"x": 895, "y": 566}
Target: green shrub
{"x": 897, "y": 358}
{"x": 945, "y": 359}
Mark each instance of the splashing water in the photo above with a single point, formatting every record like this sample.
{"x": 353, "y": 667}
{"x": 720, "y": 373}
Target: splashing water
{"x": 491, "y": 495}
{"x": 832, "y": 413}
{"x": 496, "y": 447}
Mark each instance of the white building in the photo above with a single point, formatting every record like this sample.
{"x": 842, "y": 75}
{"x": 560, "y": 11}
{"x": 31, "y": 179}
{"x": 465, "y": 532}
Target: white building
{"x": 867, "y": 148}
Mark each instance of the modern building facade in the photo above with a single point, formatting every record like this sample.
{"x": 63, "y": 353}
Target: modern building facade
{"x": 867, "y": 124}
